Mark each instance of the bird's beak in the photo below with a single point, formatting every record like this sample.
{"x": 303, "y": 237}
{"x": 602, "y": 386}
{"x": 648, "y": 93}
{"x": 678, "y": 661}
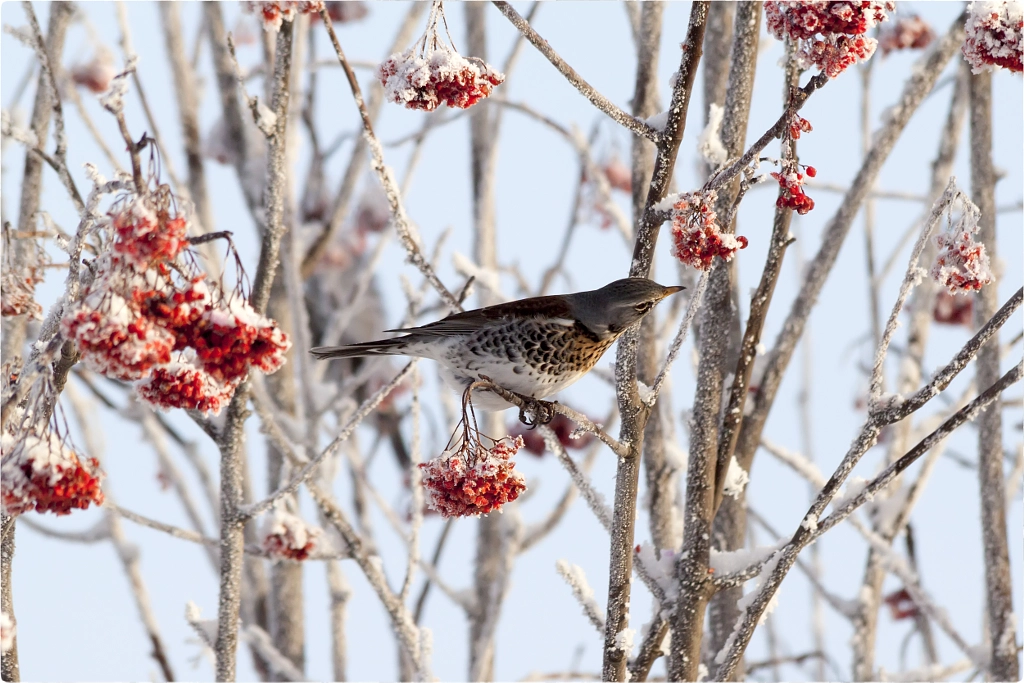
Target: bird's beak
{"x": 672, "y": 290}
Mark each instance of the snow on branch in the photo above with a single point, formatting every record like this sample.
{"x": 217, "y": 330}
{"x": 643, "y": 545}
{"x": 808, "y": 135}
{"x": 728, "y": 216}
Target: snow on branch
{"x": 581, "y": 590}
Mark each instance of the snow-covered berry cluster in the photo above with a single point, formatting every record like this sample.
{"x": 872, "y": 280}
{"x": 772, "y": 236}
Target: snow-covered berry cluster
{"x": 791, "y": 191}
{"x": 961, "y": 265}
{"x": 149, "y": 315}
{"x": 995, "y": 35}
{"x": 473, "y": 480}
{"x": 432, "y": 73}
{"x": 42, "y": 473}
{"x": 830, "y": 35}
{"x": 953, "y": 310}
{"x": 906, "y": 33}
{"x": 696, "y": 236}
{"x": 287, "y": 536}
{"x": 20, "y": 271}
{"x": 273, "y": 14}
{"x": 18, "y": 291}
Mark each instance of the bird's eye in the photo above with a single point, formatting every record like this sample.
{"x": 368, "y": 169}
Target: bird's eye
{"x": 644, "y": 306}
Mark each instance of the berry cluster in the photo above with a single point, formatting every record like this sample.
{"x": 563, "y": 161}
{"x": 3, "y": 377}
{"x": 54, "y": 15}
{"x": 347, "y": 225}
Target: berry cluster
{"x": 901, "y": 605}
{"x": 20, "y": 271}
{"x": 42, "y": 473}
{"x": 961, "y": 265}
{"x": 149, "y": 315}
{"x": 618, "y": 174}
{"x": 830, "y": 35}
{"x": 185, "y": 384}
{"x": 791, "y": 191}
{"x": 274, "y": 13}
{"x": 906, "y": 33}
{"x": 286, "y": 536}
{"x": 953, "y": 310}
{"x": 18, "y": 291}
{"x": 432, "y": 73}
{"x": 563, "y": 428}
{"x": 696, "y": 236}
{"x": 96, "y": 74}
{"x": 798, "y": 126}
{"x": 995, "y": 35}
{"x": 473, "y": 480}
{"x": 345, "y": 11}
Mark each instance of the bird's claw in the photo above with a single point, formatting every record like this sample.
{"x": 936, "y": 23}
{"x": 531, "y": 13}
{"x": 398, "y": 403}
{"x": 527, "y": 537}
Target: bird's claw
{"x": 542, "y": 412}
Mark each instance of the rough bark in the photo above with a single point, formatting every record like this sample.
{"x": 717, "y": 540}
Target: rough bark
{"x": 634, "y": 414}
{"x": 233, "y": 437}
{"x": 16, "y": 328}
{"x": 1004, "y": 662}
{"x": 717, "y": 315}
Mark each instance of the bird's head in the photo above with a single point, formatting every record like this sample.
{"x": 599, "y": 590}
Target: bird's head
{"x": 609, "y": 311}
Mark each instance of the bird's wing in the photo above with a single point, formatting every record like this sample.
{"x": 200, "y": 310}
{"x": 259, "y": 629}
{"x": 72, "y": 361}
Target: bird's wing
{"x": 470, "y": 321}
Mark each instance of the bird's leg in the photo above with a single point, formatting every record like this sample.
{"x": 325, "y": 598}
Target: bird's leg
{"x": 541, "y": 411}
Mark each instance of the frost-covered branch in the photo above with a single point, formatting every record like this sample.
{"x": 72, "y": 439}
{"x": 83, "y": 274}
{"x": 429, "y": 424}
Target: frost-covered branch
{"x": 581, "y": 590}
{"x": 775, "y": 571}
{"x": 636, "y": 126}
{"x": 1003, "y": 655}
{"x": 403, "y": 226}
{"x": 634, "y": 413}
{"x": 232, "y": 436}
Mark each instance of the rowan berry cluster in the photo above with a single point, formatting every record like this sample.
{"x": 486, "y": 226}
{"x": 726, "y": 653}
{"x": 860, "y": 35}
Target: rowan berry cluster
{"x": 696, "y": 236}
{"x": 953, "y": 310}
{"x": 906, "y": 33}
{"x": 563, "y": 427}
{"x": 791, "y": 191}
{"x": 96, "y": 74}
{"x": 148, "y": 314}
{"x": 42, "y": 473}
{"x": 287, "y": 536}
{"x": 962, "y": 265}
{"x": 995, "y": 35}
{"x": 473, "y": 480}
{"x": 273, "y": 14}
{"x": 21, "y": 269}
{"x": 432, "y": 73}
{"x": 830, "y": 35}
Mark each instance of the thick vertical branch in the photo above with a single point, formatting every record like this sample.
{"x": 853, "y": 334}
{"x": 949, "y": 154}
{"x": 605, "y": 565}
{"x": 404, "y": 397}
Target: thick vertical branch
{"x": 188, "y": 111}
{"x": 717, "y": 313}
{"x": 340, "y": 594}
{"x": 233, "y": 437}
{"x": 1004, "y": 658}
{"x": 227, "y": 86}
{"x": 634, "y": 415}
{"x": 489, "y": 578}
{"x": 24, "y": 250}
{"x": 660, "y": 476}
{"x": 710, "y": 447}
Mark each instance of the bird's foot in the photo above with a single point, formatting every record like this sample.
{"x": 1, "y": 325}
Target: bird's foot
{"x": 535, "y": 411}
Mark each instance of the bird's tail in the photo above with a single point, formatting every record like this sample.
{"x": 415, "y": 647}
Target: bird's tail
{"x": 384, "y": 347}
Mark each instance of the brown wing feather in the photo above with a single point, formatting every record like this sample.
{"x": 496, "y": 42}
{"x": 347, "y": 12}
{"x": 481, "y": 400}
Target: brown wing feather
{"x": 470, "y": 321}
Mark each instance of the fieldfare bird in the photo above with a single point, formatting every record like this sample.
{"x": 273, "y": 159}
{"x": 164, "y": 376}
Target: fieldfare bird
{"x": 534, "y": 347}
